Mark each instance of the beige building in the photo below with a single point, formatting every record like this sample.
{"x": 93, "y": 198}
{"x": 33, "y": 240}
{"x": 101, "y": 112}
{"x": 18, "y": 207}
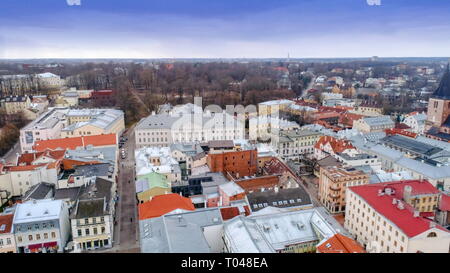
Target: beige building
{"x": 14, "y": 104}
{"x": 333, "y": 182}
{"x": 368, "y": 110}
{"x": 295, "y": 143}
{"x": 379, "y": 218}
{"x": 373, "y": 124}
{"x": 7, "y": 240}
{"x": 273, "y": 107}
{"x": 92, "y": 217}
{"x": 85, "y": 122}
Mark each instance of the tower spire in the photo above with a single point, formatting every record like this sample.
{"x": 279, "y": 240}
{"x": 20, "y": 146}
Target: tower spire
{"x": 443, "y": 90}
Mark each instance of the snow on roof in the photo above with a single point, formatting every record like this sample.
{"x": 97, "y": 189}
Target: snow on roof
{"x": 270, "y": 232}
{"x": 276, "y": 102}
{"x": 47, "y": 75}
{"x": 382, "y": 176}
{"x": 167, "y": 164}
{"x": 38, "y": 210}
{"x": 231, "y": 188}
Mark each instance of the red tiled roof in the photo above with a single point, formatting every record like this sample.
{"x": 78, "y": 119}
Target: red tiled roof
{"x": 348, "y": 118}
{"x": 340, "y": 244}
{"x": 53, "y": 165}
{"x": 338, "y": 145}
{"x": 73, "y": 142}
{"x": 257, "y": 183}
{"x": 6, "y": 220}
{"x": 68, "y": 164}
{"x": 444, "y": 205}
{"x": 427, "y": 214}
{"x": 163, "y": 204}
{"x": 402, "y": 218}
{"x": 231, "y": 212}
{"x": 305, "y": 103}
{"x": 28, "y": 158}
{"x": 276, "y": 166}
{"x": 280, "y": 68}
{"x": 403, "y": 126}
{"x": 332, "y": 109}
{"x": 25, "y": 167}
{"x": 396, "y": 131}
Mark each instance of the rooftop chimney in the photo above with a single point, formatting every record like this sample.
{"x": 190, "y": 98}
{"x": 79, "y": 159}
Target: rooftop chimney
{"x": 416, "y": 213}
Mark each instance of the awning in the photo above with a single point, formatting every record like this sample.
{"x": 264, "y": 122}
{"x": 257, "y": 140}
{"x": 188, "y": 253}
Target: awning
{"x": 50, "y": 244}
{"x": 34, "y": 246}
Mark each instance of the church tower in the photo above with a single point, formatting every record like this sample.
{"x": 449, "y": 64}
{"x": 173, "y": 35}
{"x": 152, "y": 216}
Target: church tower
{"x": 439, "y": 104}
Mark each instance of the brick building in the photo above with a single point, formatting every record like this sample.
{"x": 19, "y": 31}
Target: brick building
{"x": 236, "y": 163}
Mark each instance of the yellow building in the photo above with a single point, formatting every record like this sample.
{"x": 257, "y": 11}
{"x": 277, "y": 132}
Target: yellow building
{"x": 273, "y": 107}
{"x": 150, "y": 185}
{"x": 14, "y": 104}
{"x": 83, "y": 122}
{"x": 333, "y": 182}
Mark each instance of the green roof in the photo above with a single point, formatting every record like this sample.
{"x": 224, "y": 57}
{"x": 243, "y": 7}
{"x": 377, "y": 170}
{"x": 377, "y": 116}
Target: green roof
{"x": 155, "y": 179}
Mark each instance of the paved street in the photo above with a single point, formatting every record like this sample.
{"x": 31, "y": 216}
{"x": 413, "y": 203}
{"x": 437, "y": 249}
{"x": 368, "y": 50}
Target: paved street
{"x": 312, "y": 188}
{"x": 125, "y": 235}
{"x": 11, "y": 156}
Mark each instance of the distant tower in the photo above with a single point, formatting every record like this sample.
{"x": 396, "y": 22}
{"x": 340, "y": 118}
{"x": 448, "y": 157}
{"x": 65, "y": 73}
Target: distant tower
{"x": 288, "y": 58}
{"x": 439, "y": 103}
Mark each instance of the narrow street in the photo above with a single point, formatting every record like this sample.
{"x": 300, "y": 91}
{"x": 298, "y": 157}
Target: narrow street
{"x": 126, "y": 238}
{"x": 127, "y": 222}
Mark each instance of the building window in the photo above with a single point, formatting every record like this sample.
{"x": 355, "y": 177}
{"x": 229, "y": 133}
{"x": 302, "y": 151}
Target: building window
{"x": 79, "y": 232}
{"x": 87, "y": 231}
{"x": 432, "y": 234}
{"x": 30, "y": 237}
{"x": 45, "y": 235}
{"x": 53, "y": 235}
{"x": 19, "y": 239}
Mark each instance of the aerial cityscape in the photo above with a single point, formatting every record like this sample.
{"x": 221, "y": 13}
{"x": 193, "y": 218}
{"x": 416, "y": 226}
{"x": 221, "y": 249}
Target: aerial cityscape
{"x": 199, "y": 127}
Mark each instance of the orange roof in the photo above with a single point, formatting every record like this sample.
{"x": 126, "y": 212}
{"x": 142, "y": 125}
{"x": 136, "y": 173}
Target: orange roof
{"x": 163, "y": 204}
{"x": 68, "y": 164}
{"x": 396, "y": 131}
{"x": 25, "y": 168}
{"x": 73, "y": 142}
{"x": 6, "y": 220}
{"x": 28, "y": 158}
{"x": 257, "y": 183}
{"x": 53, "y": 165}
{"x": 231, "y": 212}
{"x": 348, "y": 118}
{"x": 338, "y": 145}
{"x": 340, "y": 244}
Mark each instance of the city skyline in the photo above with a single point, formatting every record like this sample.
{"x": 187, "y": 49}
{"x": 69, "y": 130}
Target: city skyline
{"x": 235, "y": 29}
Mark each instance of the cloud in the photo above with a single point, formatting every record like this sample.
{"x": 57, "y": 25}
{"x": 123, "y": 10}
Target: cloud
{"x": 304, "y": 29}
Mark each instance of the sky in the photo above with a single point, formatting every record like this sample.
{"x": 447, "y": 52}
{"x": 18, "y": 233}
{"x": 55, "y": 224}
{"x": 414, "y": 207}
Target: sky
{"x": 224, "y": 28}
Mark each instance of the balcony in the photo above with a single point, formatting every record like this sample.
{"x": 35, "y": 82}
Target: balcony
{"x": 335, "y": 188}
{"x": 334, "y": 195}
